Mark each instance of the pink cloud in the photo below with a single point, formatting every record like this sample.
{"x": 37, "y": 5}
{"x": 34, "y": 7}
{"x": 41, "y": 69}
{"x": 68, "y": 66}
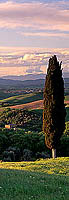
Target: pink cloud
{"x": 19, "y": 61}
{"x": 44, "y": 34}
{"x": 35, "y": 15}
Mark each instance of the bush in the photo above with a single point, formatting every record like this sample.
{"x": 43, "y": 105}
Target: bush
{"x": 16, "y": 144}
{"x": 27, "y": 155}
{"x": 63, "y": 147}
{"x": 43, "y": 155}
{"x": 8, "y": 156}
{"x": 11, "y": 154}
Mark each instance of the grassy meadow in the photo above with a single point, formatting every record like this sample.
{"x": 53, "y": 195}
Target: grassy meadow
{"x": 22, "y": 99}
{"x": 43, "y": 179}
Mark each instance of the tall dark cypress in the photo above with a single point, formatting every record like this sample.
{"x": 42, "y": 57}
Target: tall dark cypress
{"x": 54, "y": 108}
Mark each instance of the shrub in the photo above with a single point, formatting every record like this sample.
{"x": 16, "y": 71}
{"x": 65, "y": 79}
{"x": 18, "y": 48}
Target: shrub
{"x": 27, "y": 155}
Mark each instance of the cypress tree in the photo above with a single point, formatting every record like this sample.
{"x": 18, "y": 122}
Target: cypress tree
{"x": 54, "y": 108}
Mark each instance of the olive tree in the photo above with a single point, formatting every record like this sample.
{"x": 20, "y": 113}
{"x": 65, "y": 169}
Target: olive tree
{"x": 54, "y": 107}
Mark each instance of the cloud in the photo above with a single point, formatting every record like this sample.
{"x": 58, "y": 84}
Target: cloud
{"x": 22, "y": 61}
{"x": 34, "y": 69}
{"x": 28, "y": 57}
{"x": 45, "y": 34}
{"x": 4, "y": 71}
{"x": 35, "y": 15}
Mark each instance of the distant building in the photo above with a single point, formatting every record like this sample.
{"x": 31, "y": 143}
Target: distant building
{"x": 9, "y": 126}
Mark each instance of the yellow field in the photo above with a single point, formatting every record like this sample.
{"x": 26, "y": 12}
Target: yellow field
{"x": 49, "y": 166}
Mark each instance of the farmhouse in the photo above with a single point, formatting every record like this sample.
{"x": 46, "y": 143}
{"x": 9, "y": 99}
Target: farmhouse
{"x": 9, "y": 126}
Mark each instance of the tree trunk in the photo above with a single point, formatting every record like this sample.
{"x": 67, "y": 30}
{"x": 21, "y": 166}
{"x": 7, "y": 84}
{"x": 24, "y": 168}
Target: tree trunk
{"x": 53, "y": 153}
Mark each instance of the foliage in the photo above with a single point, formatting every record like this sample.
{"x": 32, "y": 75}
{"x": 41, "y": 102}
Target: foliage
{"x": 28, "y": 120}
{"x": 54, "y": 108}
{"x": 66, "y": 132}
{"x": 63, "y": 147}
{"x": 43, "y": 179}
{"x": 27, "y": 155}
{"x": 40, "y": 111}
{"x": 11, "y": 154}
{"x": 67, "y": 114}
{"x": 18, "y": 141}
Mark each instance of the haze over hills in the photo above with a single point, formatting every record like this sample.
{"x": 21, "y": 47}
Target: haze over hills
{"x": 31, "y": 76}
{"x": 7, "y": 83}
{"x": 26, "y": 77}
{"x": 19, "y": 84}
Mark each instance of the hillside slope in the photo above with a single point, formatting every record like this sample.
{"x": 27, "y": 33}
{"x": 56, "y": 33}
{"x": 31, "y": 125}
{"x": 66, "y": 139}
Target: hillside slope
{"x": 32, "y": 105}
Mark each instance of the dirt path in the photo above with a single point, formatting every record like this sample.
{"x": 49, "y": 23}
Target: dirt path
{"x": 32, "y": 105}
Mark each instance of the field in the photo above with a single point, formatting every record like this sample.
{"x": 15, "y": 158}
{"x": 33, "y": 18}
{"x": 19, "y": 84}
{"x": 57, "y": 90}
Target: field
{"x": 22, "y": 99}
{"x": 26, "y": 99}
{"x": 32, "y": 105}
{"x": 67, "y": 98}
{"x": 44, "y": 179}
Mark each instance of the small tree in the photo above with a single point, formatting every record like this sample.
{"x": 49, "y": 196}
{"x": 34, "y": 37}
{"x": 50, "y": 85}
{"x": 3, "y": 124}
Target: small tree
{"x": 54, "y": 108}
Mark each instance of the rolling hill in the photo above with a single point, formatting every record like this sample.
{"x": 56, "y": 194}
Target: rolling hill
{"x": 7, "y": 83}
{"x": 37, "y": 83}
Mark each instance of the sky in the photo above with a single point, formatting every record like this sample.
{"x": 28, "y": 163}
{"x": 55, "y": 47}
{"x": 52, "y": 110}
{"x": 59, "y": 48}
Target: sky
{"x": 30, "y": 32}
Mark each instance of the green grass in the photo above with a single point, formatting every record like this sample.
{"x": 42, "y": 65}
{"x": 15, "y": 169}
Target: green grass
{"x": 40, "y": 180}
{"x": 26, "y": 98}
{"x": 4, "y": 95}
{"x": 22, "y": 99}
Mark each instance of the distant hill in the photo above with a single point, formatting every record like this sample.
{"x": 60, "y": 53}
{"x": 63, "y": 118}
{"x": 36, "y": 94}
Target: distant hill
{"x": 66, "y": 85}
{"x": 26, "y": 77}
{"x": 31, "y": 76}
{"x": 17, "y": 84}
{"x": 6, "y": 83}
{"x": 66, "y": 81}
